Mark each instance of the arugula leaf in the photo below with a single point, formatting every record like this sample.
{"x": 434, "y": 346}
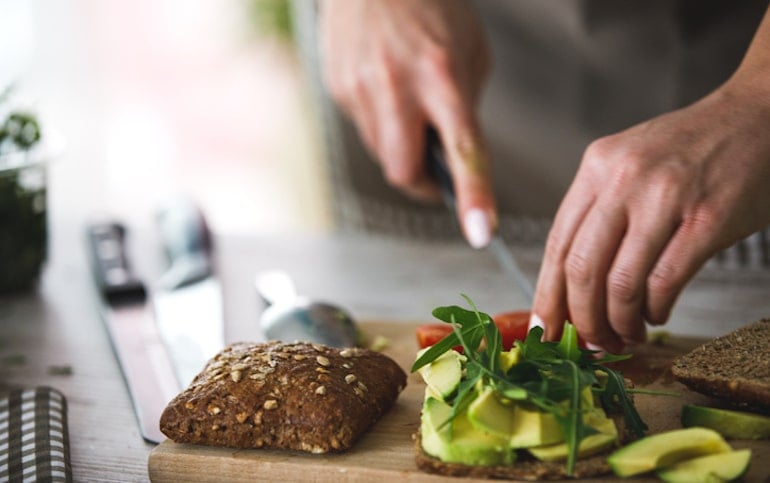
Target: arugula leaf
{"x": 494, "y": 347}
{"x": 615, "y": 395}
{"x": 568, "y": 345}
{"x": 465, "y": 393}
{"x": 435, "y": 351}
{"x": 575, "y": 429}
{"x": 458, "y": 314}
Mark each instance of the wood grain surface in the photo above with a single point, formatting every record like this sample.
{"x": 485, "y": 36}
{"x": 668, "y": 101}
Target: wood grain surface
{"x": 386, "y": 452}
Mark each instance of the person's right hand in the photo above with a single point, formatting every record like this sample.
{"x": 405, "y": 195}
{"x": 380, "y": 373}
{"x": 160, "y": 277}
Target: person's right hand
{"x": 398, "y": 66}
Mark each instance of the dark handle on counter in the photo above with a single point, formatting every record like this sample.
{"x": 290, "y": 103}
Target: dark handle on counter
{"x": 114, "y": 276}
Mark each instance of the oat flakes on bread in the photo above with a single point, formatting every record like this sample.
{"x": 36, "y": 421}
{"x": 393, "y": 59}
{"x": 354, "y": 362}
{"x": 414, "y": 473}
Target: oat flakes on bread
{"x": 297, "y": 396}
{"x": 734, "y": 367}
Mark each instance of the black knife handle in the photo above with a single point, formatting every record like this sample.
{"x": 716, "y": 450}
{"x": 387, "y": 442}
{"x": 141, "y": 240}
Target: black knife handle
{"x": 114, "y": 276}
{"x": 438, "y": 169}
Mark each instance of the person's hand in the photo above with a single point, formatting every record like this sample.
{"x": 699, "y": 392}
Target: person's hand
{"x": 398, "y": 66}
{"x": 648, "y": 206}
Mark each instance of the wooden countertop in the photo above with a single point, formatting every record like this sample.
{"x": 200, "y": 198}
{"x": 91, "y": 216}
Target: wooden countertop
{"x": 386, "y": 452}
{"x": 54, "y": 336}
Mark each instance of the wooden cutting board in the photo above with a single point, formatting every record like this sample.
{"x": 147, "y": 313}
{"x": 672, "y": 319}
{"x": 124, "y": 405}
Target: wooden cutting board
{"x": 385, "y": 453}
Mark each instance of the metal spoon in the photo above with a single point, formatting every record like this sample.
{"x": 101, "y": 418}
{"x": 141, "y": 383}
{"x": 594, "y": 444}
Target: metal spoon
{"x": 290, "y": 317}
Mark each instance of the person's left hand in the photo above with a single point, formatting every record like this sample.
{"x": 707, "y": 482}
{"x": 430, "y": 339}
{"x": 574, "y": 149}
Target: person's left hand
{"x": 648, "y": 207}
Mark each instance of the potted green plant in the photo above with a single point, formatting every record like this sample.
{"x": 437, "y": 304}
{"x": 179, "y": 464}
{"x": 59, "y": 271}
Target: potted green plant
{"x": 23, "y": 220}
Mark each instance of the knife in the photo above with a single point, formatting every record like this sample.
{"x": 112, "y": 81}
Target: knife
{"x": 439, "y": 170}
{"x": 188, "y": 297}
{"x": 128, "y": 317}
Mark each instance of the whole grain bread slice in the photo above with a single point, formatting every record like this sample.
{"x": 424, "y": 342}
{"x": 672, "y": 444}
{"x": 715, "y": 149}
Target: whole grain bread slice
{"x": 299, "y": 396}
{"x": 526, "y": 468}
{"x": 734, "y": 367}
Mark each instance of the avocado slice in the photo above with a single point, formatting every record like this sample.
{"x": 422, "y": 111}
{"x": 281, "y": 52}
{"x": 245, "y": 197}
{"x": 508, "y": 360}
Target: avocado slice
{"x": 730, "y": 424}
{"x": 509, "y": 358}
{"x": 605, "y": 438}
{"x": 716, "y": 467}
{"x": 460, "y": 441}
{"x": 665, "y": 449}
{"x": 532, "y": 427}
{"x": 443, "y": 374}
{"x": 488, "y": 413}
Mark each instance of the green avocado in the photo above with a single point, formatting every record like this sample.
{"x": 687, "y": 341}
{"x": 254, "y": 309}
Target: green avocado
{"x": 443, "y": 374}
{"x": 716, "y": 467}
{"x": 460, "y": 441}
{"x": 492, "y": 415}
{"x": 665, "y": 449}
{"x": 730, "y": 424}
{"x": 509, "y": 358}
{"x": 606, "y": 437}
{"x": 533, "y": 427}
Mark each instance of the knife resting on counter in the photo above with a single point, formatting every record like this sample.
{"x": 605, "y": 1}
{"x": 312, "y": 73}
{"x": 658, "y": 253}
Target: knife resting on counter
{"x": 163, "y": 335}
{"x": 128, "y": 317}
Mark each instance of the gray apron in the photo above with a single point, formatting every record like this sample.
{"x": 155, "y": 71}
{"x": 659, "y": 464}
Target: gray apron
{"x": 565, "y": 72}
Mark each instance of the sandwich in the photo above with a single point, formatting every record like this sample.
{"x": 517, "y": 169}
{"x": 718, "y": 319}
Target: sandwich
{"x": 541, "y": 410}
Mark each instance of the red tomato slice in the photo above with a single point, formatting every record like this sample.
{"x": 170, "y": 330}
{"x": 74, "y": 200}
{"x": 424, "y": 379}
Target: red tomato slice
{"x": 429, "y": 334}
{"x": 513, "y": 326}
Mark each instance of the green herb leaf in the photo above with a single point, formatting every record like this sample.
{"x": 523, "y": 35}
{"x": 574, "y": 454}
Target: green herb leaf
{"x": 435, "y": 351}
{"x": 615, "y": 395}
{"x": 472, "y": 330}
{"x": 568, "y": 345}
{"x": 575, "y": 428}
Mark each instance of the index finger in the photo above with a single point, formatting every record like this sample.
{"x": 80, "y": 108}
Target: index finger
{"x": 457, "y": 124}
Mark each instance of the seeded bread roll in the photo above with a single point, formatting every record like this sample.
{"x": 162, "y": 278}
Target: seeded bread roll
{"x": 734, "y": 367}
{"x": 296, "y": 396}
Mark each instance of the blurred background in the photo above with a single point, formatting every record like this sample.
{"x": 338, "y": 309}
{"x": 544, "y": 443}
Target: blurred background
{"x": 142, "y": 100}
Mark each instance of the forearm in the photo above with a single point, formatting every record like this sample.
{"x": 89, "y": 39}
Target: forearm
{"x": 753, "y": 74}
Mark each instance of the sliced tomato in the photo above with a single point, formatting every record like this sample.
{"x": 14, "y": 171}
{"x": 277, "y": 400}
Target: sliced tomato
{"x": 429, "y": 334}
{"x": 512, "y": 325}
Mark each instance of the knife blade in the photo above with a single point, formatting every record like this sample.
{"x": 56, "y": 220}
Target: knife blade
{"x": 188, "y": 297}
{"x": 439, "y": 170}
{"x": 128, "y": 317}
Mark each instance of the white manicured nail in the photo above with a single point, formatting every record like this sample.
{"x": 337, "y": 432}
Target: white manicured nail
{"x": 594, "y": 347}
{"x": 478, "y": 228}
{"x": 535, "y": 321}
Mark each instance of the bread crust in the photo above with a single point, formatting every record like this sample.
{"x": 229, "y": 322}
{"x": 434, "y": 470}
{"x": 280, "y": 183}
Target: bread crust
{"x": 527, "y": 469}
{"x": 299, "y": 396}
{"x": 734, "y": 367}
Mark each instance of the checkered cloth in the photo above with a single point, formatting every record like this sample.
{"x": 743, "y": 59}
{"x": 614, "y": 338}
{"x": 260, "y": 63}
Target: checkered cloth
{"x": 33, "y": 436}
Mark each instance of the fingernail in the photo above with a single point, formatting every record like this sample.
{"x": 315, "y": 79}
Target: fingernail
{"x": 594, "y": 347}
{"x": 478, "y": 228}
{"x": 536, "y": 321}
